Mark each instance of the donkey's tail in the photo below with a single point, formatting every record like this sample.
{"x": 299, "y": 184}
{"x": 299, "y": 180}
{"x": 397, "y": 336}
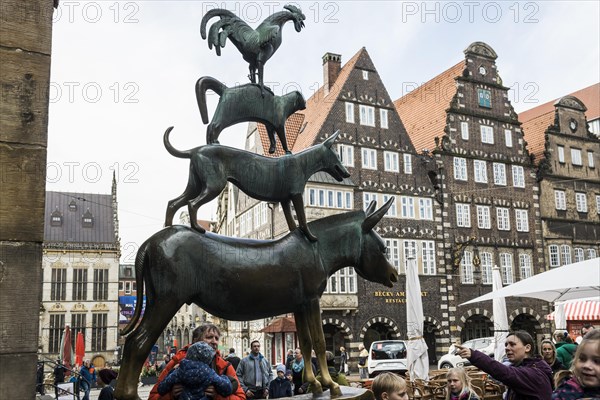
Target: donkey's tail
{"x": 202, "y": 85}
{"x": 172, "y": 150}
{"x": 141, "y": 261}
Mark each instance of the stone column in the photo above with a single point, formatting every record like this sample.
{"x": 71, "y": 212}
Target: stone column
{"x": 25, "y": 47}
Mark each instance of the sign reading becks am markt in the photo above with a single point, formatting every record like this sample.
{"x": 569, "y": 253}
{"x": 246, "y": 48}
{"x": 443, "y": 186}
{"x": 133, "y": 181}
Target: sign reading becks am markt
{"x": 393, "y": 296}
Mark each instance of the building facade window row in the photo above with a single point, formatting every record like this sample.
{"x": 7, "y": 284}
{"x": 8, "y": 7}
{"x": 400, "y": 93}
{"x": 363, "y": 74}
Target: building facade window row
{"x": 484, "y": 220}
{"x": 576, "y": 156}
{"x": 366, "y": 115}
{"x": 98, "y": 328}
{"x": 581, "y": 201}
{"x": 329, "y": 198}
{"x": 410, "y": 207}
{"x": 481, "y": 176}
{"x": 560, "y": 255}
{"x": 400, "y": 251}
{"x": 79, "y": 282}
{"x": 506, "y": 264}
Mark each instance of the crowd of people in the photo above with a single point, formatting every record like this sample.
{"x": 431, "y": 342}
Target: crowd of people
{"x": 198, "y": 372}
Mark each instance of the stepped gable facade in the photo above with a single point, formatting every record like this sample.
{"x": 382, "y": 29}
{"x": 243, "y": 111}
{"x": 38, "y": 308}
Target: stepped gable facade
{"x": 486, "y": 181}
{"x": 567, "y": 153}
{"x": 375, "y": 148}
{"x": 80, "y": 273}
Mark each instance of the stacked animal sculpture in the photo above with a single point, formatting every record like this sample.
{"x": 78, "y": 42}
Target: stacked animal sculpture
{"x": 268, "y": 179}
{"x": 179, "y": 266}
{"x": 256, "y": 46}
{"x": 245, "y": 103}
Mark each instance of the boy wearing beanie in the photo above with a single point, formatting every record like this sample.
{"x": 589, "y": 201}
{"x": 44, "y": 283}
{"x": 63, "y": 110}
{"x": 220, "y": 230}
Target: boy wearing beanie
{"x": 280, "y": 386}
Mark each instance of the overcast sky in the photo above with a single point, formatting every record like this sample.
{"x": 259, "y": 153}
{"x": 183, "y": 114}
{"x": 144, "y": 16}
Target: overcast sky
{"x": 122, "y": 72}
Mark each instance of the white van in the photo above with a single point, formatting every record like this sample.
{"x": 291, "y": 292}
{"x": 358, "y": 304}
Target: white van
{"x": 387, "y": 355}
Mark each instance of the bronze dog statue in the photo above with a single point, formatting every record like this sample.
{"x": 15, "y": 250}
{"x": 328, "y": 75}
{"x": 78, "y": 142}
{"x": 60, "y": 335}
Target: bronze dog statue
{"x": 245, "y": 103}
{"x": 279, "y": 179}
{"x": 178, "y": 266}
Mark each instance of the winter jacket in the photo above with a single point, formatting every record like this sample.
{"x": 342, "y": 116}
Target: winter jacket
{"x": 246, "y": 372}
{"x": 219, "y": 365}
{"x": 532, "y": 379}
{"x": 280, "y": 387}
{"x": 565, "y": 354}
{"x": 571, "y": 389}
{"x": 195, "y": 376}
{"x": 464, "y": 396}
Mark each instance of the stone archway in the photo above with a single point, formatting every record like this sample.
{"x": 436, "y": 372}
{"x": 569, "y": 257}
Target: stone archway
{"x": 379, "y": 328}
{"x": 477, "y": 326}
{"x": 431, "y": 333}
{"x": 528, "y": 320}
{"x": 337, "y": 334}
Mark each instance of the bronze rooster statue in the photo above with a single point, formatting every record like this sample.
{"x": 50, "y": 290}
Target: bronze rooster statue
{"x": 256, "y": 45}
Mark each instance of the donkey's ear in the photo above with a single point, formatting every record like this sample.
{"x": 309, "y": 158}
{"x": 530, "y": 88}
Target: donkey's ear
{"x": 371, "y": 207}
{"x": 329, "y": 141}
{"x": 372, "y": 219}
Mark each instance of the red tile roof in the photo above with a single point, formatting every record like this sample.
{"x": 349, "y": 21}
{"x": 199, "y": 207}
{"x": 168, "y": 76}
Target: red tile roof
{"x": 303, "y": 127}
{"x": 423, "y": 111}
{"x": 537, "y": 120}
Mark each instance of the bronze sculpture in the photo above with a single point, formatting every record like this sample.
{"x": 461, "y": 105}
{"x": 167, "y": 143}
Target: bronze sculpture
{"x": 279, "y": 179}
{"x": 178, "y": 265}
{"x": 244, "y": 104}
{"x": 256, "y": 46}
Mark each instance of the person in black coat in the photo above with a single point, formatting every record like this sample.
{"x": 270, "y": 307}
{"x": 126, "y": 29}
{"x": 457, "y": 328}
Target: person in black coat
{"x": 280, "y": 386}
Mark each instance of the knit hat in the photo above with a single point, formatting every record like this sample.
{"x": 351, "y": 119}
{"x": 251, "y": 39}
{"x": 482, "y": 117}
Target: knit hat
{"x": 288, "y": 372}
{"x": 107, "y": 375}
{"x": 200, "y": 351}
{"x": 281, "y": 368}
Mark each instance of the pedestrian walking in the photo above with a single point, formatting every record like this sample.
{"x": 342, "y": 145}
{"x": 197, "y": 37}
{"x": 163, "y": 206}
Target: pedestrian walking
{"x": 254, "y": 373}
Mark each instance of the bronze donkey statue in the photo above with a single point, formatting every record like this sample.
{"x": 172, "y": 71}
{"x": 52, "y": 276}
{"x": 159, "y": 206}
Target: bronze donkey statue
{"x": 179, "y": 266}
{"x": 244, "y": 104}
{"x": 279, "y": 179}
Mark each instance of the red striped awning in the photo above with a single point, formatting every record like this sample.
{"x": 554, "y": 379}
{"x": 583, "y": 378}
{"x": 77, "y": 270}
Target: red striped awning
{"x": 581, "y": 311}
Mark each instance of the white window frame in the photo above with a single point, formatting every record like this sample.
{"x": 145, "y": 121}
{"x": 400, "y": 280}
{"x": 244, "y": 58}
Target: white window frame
{"x": 525, "y": 266}
{"x": 598, "y": 203}
{"x": 428, "y": 257}
{"x": 506, "y": 268}
{"x": 466, "y": 267}
{"x": 487, "y": 134}
{"x": 518, "y": 176}
{"x": 346, "y": 153}
{"x": 383, "y": 117}
{"x": 560, "y": 199}
{"x": 463, "y": 215}
{"x": 343, "y": 281}
{"x": 561, "y": 154}
{"x": 391, "y": 161}
{"x": 350, "y": 112}
{"x": 508, "y": 138}
{"x": 393, "y": 252}
{"x": 367, "y": 115}
{"x": 522, "y": 220}
{"x": 503, "y": 218}
{"x": 486, "y": 267}
{"x": 554, "y": 255}
{"x": 565, "y": 254}
{"x": 591, "y": 253}
{"x": 576, "y": 157}
{"x": 367, "y": 198}
{"x": 369, "y": 158}
{"x": 128, "y": 287}
{"x": 499, "y": 174}
{"x": 391, "y": 212}
{"x": 365, "y": 75}
{"x": 407, "y": 208}
{"x": 407, "y": 159}
{"x": 579, "y": 254}
{"x": 581, "y": 202}
{"x": 425, "y": 209}
{"x": 484, "y": 220}
{"x": 480, "y": 171}
{"x": 460, "y": 169}
{"x": 464, "y": 130}
{"x": 590, "y": 155}
{"x": 409, "y": 246}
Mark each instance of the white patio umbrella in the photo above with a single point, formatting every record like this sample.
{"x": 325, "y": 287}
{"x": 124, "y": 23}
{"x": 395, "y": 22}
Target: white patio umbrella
{"x": 574, "y": 281}
{"x": 417, "y": 358}
{"x": 560, "y": 318}
{"x": 500, "y": 317}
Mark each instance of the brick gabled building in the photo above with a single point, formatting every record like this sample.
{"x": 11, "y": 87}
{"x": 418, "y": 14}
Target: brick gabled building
{"x": 486, "y": 181}
{"x": 567, "y": 153}
{"x": 376, "y": 150}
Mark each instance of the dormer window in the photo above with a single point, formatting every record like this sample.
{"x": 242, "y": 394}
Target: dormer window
{"x": 72, "y": 206}
{"x": 365, "y": 75}
{"x": 56, "y": 218}
{"x": 87, "y": 220}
